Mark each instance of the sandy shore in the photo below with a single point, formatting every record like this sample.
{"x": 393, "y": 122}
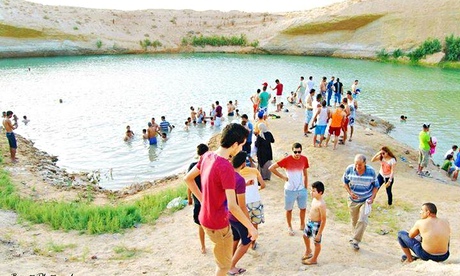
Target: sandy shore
{"x": 171, "y": 246}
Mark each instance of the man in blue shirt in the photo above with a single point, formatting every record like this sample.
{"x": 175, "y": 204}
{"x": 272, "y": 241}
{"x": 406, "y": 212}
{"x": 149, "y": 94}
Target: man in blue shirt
{"x": 246, "y": 123}
{"x": 165, "y": 126}
{"x": 360, "y": 181}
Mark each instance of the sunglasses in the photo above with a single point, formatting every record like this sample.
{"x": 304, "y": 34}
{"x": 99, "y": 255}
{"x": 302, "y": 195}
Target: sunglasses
{"x": 297, "y": 151}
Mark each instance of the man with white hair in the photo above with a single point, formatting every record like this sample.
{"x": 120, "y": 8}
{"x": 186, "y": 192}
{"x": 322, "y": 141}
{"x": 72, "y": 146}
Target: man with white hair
{"x": 360, "y": 182}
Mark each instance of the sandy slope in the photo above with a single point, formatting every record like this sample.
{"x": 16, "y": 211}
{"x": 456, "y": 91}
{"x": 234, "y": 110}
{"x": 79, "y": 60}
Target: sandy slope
{"x": 171, "y": 246}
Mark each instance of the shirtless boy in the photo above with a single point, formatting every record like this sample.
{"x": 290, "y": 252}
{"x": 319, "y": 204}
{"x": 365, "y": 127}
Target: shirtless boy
{"x": 429, "y": 237}
{"x": 315, "y": 224}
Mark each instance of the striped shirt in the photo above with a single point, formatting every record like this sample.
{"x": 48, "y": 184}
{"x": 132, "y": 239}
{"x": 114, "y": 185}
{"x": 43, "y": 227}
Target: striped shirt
{"x": 361, "y": 185}
{"x": 164, "y": 126}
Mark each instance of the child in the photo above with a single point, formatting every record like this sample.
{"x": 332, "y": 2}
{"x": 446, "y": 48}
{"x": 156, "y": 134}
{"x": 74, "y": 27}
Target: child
{"x": 315, "y": 224}
{"x": 144, "y": 134}
{"x": 240, "y": 232}
{"x": 447, "y": 166}
{"x": 129, "y": 133}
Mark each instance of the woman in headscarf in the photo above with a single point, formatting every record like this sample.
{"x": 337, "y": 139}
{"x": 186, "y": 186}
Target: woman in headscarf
{"x": 264, "y": 151}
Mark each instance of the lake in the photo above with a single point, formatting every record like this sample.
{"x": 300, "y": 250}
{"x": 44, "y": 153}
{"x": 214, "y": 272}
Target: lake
{"x": 101, "y": 95}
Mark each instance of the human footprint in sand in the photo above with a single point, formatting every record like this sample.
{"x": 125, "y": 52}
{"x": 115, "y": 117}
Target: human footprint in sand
{"x": 315, "y": 224}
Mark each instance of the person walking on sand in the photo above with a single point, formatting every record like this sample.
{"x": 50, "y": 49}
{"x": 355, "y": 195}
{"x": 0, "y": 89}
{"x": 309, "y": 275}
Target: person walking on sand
{"x": 338, "y": 92}
{"x": 200, "y": 150}
{"x": 329, "y": 91}
{"x": 308, "y": 113}
{"x": 315, "y": 224}
{"x": 279, "y": 90}
{"x": 387, "y": 169}
{"x": 360, "y": 182}
{"x": 254, "y": 181}
{"x": 424, "y": 149}
{"x": 296, "y": 183}
{"x": 218, "y": 197}
{"x": 240, "y": 233}
{"x": 429, "y": 238}
{"x": 353, "y": 106}
{"x": 323, "y": 87}
{"x": 9, "y": 127}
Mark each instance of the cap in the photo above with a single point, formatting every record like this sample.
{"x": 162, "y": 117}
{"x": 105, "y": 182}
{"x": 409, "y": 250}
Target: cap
{"x": 426, "y": 125}
{"x": 261, "y": 114}
{"x": 264, "y": 84}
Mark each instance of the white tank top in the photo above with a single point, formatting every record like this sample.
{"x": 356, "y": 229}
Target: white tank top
{"x": 322, "y": 120}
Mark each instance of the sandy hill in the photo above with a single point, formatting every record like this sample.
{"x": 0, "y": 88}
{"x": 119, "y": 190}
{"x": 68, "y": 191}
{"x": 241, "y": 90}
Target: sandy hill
{"x": 356, "y": 28}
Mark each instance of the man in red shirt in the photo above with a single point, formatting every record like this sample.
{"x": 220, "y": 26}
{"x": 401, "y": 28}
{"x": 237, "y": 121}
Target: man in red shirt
{"x": 296, "y": 183}
{"x": 279, "y": 90}
{"x": 218, "y": 195}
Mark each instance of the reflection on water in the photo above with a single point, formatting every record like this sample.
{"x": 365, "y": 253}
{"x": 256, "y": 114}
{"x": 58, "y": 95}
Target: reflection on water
{"x": 103, "y": 94}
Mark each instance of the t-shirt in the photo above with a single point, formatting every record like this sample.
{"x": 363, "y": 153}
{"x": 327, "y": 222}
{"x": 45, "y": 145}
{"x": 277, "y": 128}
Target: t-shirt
{"x": 337, "y": 117}
{"x": 457, "y": 160}
{"x": 251, "y": 130}
{"x": 385, "y": 168}
{"x": 264, "y": 97}
{"x": 338, "y": 87}
{"x": 310, "y": 84}
{"x": 447, "y": 164}
{"x": 329, "y": 85}
{"x": 279, "y": 89}
{"x": 218, "y": 111}
{"x": 294, "y": 171}
{"x": 361, "y": 185}
{"x": 164, "y": 126}
{"x": 303, "y": 87}
{"x": 424, "y": 139}
{"x": 240, "y": 188}
{"x": 252, "y": 191}
{"x": 217, "y": 175}
{"x": 451, "y": 152}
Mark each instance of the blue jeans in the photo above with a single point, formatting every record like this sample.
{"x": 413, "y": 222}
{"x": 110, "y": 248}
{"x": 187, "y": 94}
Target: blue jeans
{"x": 329, "y": 96}
{"x": 407, "y": 242}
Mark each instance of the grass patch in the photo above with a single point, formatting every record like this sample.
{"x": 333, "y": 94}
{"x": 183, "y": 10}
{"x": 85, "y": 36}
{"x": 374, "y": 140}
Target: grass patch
{"x": 339, "y": 208}
{"x": 57, "y": 248}
{"x": 123, "y": 252}
{"x": 218, "y": 41}
{"x": 19, "y": 32}
{"x": 83, "y": 216}
{"x": 337, "y": 24}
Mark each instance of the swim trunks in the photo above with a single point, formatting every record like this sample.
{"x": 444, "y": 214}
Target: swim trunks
{"x": 256, "y": 212}
{"x": 312, "y": 228}
{"x": 11, "y": 140}
{"x": 153, "y": 140}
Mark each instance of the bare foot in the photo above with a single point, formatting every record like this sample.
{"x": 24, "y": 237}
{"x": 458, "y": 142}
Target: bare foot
{"x": 309, "y": 262}
{"x": 203, "y": 250}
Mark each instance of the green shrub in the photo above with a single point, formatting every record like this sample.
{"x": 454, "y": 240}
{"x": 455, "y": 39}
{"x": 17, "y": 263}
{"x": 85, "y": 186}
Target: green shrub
{"x": 397, "y": 53}
{"x": 218, "y": 41}
{"x": 383, "y": 55}
{"x": 99, "y": 43}
{"x": 156, "y": 44}
{"x": 429, "y": 46}
{"x": 452, "y": 48}
{"x": 75, "y": 28}
{"x": 254, "y": 44}
{"x": 184, "y": 41}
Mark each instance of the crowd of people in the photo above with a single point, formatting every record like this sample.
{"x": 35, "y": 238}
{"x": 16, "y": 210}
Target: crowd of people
{"x": 225, "y": 183}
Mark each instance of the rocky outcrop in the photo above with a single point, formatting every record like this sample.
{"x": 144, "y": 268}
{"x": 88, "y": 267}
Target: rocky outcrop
{"x": 354, "y": 28}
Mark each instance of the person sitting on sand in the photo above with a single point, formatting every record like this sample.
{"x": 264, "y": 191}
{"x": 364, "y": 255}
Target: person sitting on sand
{"x": 429, "y": 237}
{"x": 315, "y": 224}
{"x": 447, "y": 166}
{"x": 129, "y": 133}
{"x": 200, "y": 150}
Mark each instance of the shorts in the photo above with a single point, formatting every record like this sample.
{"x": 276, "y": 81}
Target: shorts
{"x": 334, "y": 131}
{"x": 11, "y": 140}
{"x": 223, "y": 246}
{"x": 256, "y": 212}
{"x": 423, "y": 157}
{"x": 196, "y": 212}
{"x": 218, "y": 121}
{"x": 311, "y": 230}
{"x": 309, "y": 116}
{"x": 345, "y": 124}
{"x": 450, "y": 171}
{"x": 291, "y": 196}
{"x": 240, "y": 232}
{"x": 153, "y": 140}
{"x": 351, "y": 121}
{"x": 320, "y": 130}
{"x": 231, "y": 114}
{"x": 278, "y": 98}
{"x": 255, "y": 107}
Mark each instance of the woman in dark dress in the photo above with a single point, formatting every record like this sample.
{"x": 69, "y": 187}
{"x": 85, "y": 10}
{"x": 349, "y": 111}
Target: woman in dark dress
{"x": 264, "y": 151}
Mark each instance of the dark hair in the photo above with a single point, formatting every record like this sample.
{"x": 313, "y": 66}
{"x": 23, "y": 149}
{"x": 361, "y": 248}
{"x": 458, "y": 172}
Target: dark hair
{"x": 244, "y": 116}
{"x": 324, "y": 78}
{"x": 296, "y": 146}
{"x": 348, "y": 92}
{"x": 311, "y": 77}
{"x": 217, "y": 102}
{"x": 319, "y": 186}
{"x": 387, "y": 150}
{"x": 9, "y": 113}
{"x": 163, "y": 117}
{"x": 323, "y": 103}
{"x": 319, "y": 97}
{"x": 312, "y": 90}
{"x": 431, "y": 207}
{"x": 345, "y": 100}
{"x": 449, "y": 156}
{"x": 201, "y": 149}
{"x": 454, "y": 147}
{"x": 239, "y": 159}
{"x": 258, "y": 91}
{"x": 342, "y": 106}
{"x": 144, "y": 130}
{"x": 233, "y": 133}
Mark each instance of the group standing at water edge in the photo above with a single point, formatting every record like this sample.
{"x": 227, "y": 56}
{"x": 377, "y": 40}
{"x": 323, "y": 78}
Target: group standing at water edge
{"x": 225, "y": 211}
